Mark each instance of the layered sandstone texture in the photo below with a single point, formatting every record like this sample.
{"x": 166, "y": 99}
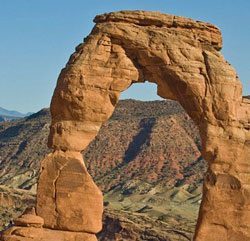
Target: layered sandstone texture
{"x": 182, "y": 57}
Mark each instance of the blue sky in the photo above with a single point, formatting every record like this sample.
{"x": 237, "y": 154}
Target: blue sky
{"x": 38, "y": 36}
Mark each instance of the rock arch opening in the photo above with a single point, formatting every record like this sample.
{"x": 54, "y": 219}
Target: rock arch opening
{"x": 183, "y": 58}
{"x": 145, "y": 91}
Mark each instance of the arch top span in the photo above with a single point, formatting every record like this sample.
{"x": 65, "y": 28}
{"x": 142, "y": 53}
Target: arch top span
{"x": 204, "y": 32}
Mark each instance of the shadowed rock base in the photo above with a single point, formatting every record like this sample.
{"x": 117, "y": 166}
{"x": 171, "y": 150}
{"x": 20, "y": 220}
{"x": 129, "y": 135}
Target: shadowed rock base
{"x": 30, "y": 227}
{"x": 43, "y": 234}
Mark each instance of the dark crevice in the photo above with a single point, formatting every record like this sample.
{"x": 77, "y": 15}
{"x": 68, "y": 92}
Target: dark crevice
{"x": 21, "y": 148}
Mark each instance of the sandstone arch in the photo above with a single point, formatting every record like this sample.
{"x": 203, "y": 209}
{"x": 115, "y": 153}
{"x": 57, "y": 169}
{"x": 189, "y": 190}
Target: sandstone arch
{"x": 183, "y": 58}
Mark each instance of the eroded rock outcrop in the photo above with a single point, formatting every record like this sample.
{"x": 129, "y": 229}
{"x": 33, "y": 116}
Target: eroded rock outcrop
{"x": 182, "y": 57}
{"x": 67, "y": 197}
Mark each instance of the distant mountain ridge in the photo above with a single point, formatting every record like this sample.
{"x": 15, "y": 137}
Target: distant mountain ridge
{"x": 6, "y": 115}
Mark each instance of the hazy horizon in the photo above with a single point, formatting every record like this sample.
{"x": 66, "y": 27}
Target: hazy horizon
{"x": 39, "y": 37}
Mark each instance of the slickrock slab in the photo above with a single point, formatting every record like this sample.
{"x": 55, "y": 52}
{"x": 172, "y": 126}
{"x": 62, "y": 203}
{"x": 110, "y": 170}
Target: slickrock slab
{"x": 29, "y": 220}
{"x": 43, "y": 234}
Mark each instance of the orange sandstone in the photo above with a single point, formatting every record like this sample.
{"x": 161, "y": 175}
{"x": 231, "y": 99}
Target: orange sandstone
{"x": 183, "y": 58}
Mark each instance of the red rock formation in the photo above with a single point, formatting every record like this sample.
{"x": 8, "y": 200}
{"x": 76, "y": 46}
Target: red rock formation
{"x": 182, "y": 57}
{"x": 67, "y": 197}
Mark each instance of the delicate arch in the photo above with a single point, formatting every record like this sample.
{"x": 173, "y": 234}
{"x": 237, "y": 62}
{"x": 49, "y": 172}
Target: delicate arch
{"x": 182, "y": 57}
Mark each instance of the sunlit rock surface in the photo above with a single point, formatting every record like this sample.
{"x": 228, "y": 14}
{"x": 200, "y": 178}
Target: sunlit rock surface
{"x": 182, "y": 57}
